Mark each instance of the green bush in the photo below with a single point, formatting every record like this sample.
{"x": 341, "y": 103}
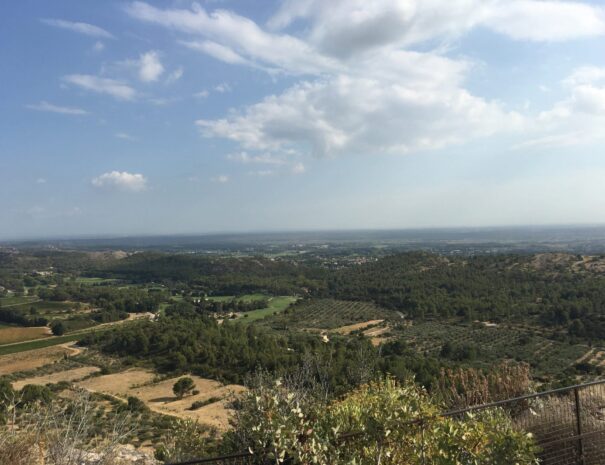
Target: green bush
{"x": 289, "y": 426}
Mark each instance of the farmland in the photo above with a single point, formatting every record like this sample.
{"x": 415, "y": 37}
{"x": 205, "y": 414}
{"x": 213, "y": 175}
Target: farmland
{"x": 276, "y": 306}
{"x": 12, "y": 334}
{"x": 328, "y": 314}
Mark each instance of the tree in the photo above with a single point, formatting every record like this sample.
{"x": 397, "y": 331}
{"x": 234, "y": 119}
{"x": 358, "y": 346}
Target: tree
{"x": 183, "y": 386}
{"x": 58, "y": 328}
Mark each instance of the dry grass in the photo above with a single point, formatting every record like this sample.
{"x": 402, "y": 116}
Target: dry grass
{"x": 32, "y": 359}
{"x": 16, "y": 334}
{"x": 158, "y": 396}
{"x": 350, "y": 328}
{"x": 118, "y": 384}
{"x": 75, "y": 374}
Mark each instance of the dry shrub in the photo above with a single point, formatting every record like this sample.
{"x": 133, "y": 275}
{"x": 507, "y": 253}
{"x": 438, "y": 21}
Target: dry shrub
{"x": 466, "y": 387}
{"x": 60, "y": 433}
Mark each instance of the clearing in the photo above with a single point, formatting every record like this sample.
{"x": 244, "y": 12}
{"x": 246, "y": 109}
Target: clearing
{"x": 276, "y": 305}
{"x": 158, "y": 395}
{"x": 33, "y": 359}
{"x": 75, "y": 374}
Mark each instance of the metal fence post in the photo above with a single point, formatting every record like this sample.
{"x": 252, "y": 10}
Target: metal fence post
{"x": 576, "y": 392}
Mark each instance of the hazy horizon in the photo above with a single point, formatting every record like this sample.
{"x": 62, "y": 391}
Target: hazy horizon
{"x": 126, "y": 118}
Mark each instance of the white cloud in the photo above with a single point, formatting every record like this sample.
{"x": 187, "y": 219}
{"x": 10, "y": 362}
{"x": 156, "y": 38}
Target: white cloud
{"x": 238, "y": 34}
{"x": 263, "y": 159}
{"x": 222, "y": 179}
{"x": 40, "y": 181}
{"x": 81, "y": 28}
{"x": 218, "y": 51}
{"x": 49, "y": 107}
{"x": 121, "y": 180}
{"x": 359, "y": 115}
{"x": 222, "y": 88}
{"x": 202, "y": 94}
{"x": 579, "y": 118}
{"x": 175, "y": 75}
{"x": 116, "y": 89}
{"x": 364, "y": 90}
{"x": 125, "y": 136}
{"x": 150, "y": 66}
{"x": 346, "y": 27}
{"x": 540, "y": 20}
{"x": 98, "y": 46}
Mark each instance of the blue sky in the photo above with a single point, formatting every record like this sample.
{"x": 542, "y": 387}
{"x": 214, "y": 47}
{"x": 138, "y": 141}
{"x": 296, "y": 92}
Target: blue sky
{"x": 180, "y": 117}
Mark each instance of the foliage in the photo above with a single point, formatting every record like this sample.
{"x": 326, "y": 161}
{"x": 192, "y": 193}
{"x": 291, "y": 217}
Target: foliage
{"x": 188, "y": 440}
{"x": 385, "y": 415}
{"x": 58, "y": 328}
{"x": 465, "y": 387}
{"x": 183, "y": 386}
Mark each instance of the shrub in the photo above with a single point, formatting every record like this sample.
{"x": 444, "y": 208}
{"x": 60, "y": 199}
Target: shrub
{"x": 274, "y": 420}
{"x": 58, "y": 328}
{"x": 183, "y": 386}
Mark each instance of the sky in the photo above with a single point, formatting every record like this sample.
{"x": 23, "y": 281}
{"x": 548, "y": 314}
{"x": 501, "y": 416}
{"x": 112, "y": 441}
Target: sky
{"x": 180, "y": 117}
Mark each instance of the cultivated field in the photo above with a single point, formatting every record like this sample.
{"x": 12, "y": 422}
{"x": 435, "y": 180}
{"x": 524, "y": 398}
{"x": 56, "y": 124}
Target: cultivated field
{"x": 159, "y": 397}
{"x": 12, "y": 334}
{"x": 33, "y": 359}
{"x": 328, "y": 314}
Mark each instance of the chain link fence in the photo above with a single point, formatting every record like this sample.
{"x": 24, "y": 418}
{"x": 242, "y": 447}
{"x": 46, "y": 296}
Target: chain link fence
{"x": 567, "y": 424}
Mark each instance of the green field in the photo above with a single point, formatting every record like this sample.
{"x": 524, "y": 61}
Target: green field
{"x": 243, "y": 298}
{"x": 93, "y": 280}
{"x": 276, "y": 305}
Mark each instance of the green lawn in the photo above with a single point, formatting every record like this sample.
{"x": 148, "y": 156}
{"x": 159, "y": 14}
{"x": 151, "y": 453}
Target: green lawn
{"x": 276, "y": 305}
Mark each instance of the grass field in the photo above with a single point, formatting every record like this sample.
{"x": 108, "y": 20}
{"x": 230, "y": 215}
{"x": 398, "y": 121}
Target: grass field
{"x": 243, "y": 298}
{"x": 159, "y": 397}
{"x": 276, "y": 305}
{"x": 9, "y": 335}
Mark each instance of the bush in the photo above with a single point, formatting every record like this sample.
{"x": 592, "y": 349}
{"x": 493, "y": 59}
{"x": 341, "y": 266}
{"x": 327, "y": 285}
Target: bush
{"x": 58, "y": 328}
{"x": 202, "y": 403}
{"x": 289, "y": 426}
{"x": 183, "y": 386}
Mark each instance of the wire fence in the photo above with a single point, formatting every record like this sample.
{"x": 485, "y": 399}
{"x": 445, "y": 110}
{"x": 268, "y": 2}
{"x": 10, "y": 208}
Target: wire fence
{"x": 568, "y": 426}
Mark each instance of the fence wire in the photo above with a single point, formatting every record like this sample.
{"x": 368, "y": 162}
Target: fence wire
{"x": 568, "y": 426}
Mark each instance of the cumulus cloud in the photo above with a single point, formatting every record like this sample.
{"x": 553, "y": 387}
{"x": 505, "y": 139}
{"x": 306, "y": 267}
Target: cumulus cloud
{"x": 112, "y": 87}
{"x": 121, "y": 180}
{"x": 346, "y": 27}
{"x": 81, "y": 28}
{"x": 49, "y": 107}
{"x": 578, "y": 118}
{"x": 359, "y": 115}
{"x": 364, "y": 87}
{"x": 150, "y": 66}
